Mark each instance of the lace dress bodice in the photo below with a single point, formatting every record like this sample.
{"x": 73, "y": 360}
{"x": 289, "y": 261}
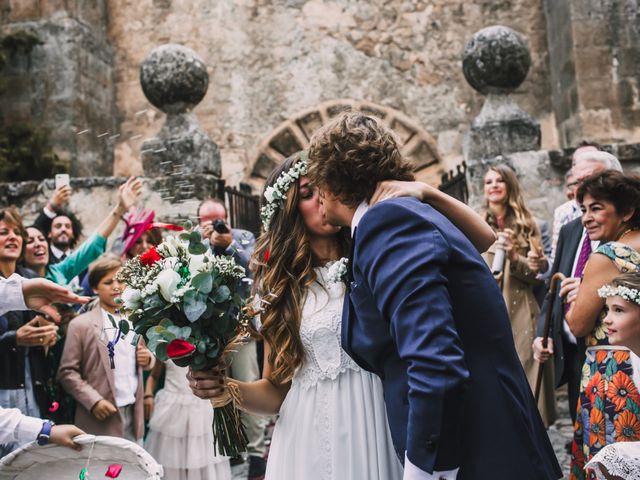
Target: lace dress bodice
{"x": 320, "y": 332}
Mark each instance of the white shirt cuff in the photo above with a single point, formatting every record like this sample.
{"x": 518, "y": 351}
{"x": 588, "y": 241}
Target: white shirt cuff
{"x": 12, "y": 296}
{"x": 49, "y": 213}
{"x": 28, "y": 429}
{"x": 411, "y": 472}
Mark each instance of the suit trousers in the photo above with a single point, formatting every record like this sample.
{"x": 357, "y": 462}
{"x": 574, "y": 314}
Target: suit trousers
{"x": 572, "y": 374}
{"x": 244, "y": 367}
{"x": 128, "y": 423}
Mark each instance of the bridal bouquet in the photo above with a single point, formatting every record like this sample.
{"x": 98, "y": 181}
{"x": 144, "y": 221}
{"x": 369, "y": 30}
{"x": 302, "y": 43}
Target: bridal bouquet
{"x": 184, "y": 300}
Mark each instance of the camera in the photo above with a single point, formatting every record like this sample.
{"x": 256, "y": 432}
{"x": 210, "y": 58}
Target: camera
{"x": 220, "y": 227}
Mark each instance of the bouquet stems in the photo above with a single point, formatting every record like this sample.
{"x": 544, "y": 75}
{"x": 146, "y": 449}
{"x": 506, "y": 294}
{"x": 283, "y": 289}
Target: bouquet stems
{"x": 229, "y": 436}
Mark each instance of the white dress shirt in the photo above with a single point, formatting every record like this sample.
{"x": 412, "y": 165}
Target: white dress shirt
{"x": 125, "y": 375}
{"x": 11, "y": 296}
{"x": 411, "y": 472}
{"x": 16, "y": 427}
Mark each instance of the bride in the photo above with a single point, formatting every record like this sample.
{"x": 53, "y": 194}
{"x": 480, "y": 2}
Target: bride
{"x": 332, "y": 421}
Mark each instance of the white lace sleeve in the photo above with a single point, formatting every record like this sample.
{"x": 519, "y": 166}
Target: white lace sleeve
{"x": 619, "y": 459}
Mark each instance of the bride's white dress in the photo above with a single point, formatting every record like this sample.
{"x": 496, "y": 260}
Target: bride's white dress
{"x": 332, "y": 424}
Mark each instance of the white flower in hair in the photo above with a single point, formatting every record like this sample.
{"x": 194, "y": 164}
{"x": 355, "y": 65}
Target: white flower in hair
{"x": 629, "y": 294}
{"x": 276, "y": 194}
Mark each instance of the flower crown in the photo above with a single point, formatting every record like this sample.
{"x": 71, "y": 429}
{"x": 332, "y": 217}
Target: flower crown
{"x": 629, "y": 294}
{"x": 276, "y": 194}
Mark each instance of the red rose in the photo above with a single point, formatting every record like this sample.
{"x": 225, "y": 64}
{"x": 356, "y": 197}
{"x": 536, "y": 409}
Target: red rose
{"x": 179, "y": 348}
{"x": 150, "y": 257}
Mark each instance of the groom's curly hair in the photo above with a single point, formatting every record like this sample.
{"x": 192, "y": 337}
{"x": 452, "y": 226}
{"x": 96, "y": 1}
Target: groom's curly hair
{"x": 351, "y": 154}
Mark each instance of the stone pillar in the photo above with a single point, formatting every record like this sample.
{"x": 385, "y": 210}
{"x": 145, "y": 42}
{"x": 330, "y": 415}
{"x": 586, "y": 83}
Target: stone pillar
{"x": 496, "y": 62}
{"x": 175, "y": 79}
{"x": 66, "y": 85}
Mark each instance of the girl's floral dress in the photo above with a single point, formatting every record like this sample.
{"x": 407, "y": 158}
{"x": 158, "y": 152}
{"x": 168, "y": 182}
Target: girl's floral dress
{"x": 609, "y": 403}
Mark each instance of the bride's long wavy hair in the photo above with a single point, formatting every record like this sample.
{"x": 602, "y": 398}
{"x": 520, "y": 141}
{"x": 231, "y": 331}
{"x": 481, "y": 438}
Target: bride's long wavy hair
{"x": 282, "y": 265}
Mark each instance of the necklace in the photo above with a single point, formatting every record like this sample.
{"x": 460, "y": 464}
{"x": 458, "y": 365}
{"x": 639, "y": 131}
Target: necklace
{"x": 628, "y": 230}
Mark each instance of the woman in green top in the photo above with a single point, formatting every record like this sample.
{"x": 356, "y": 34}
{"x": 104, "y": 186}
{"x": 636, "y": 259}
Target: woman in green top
{"x": 36, "y": 255}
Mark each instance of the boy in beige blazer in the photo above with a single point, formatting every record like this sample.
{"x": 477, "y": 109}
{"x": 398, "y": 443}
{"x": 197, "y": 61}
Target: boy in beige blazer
{"x": 110, "y": 401}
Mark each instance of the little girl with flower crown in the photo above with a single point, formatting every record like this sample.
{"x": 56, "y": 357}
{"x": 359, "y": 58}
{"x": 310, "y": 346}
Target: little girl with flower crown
{"x": 621, "y": 460}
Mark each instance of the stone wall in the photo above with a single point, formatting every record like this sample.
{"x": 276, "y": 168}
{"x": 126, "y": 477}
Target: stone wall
{"x": 268, "y": 60}
{"x": 66, "y": 84}
{"x": 594, "y": 46}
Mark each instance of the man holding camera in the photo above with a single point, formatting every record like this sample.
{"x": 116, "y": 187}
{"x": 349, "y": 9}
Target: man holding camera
{"x": 224, "y": 240}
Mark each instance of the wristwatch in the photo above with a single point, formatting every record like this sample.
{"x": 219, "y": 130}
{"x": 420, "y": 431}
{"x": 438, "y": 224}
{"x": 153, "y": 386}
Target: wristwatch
{"x": 45, "y": 433}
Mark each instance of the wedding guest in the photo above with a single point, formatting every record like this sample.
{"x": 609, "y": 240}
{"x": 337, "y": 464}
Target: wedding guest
{"x": 621, "y": 460}
{"x": 180, "y": 435}
{"x": 23, "y": 334}
{"x": 568, "y": 352}
{"x": 508, "y": 214}
{"x": 609, "y": 203}
{"x": 100, "y": 368}
{"x": 141, "y": 233}
{"x": 586, "y": 160}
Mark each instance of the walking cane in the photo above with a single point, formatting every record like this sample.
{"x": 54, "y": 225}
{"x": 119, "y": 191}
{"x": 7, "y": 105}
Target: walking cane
{"x": 553, "y": 287}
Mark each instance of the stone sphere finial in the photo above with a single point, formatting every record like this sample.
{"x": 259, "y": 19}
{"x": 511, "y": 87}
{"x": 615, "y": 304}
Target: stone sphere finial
{"x": 496, "y": 60}
{"x": 174, "y": 78}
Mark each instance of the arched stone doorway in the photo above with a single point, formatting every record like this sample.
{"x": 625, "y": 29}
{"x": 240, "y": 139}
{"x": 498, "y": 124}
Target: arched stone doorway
{"x": 293, "y": 135}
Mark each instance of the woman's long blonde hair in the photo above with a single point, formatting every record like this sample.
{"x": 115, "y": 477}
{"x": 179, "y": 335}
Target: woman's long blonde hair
{"x": 282, "y": 265}
{"x": 518, "y": 217}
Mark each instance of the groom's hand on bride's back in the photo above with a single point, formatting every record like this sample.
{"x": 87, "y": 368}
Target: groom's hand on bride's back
{"x": 207, "y": 383}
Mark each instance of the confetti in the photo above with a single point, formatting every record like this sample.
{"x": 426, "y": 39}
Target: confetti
{"x": 135, "y": 137}
{"x": 83, "y": 474}
{"x": 54, "y": 407}
{"x": 102, "y": 135}
{"x": 113, "y": 471}
{"x": 82, "y": 132}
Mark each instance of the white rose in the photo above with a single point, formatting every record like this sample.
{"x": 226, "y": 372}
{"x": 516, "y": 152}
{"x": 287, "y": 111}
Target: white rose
{"x": 270, "y": 194}
{"x": 168, "y": 281}
{"x": 196, "y": 264}
{"x": 131, "y": 298}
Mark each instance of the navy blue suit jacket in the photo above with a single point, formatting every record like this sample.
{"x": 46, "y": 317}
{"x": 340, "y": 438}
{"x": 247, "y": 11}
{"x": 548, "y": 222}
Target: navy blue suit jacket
{"x": 426, "y": 315}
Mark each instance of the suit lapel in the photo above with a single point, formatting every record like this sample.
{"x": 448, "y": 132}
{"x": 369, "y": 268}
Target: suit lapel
{"x": 101, "y": 349}
{"x": 347, "y": 306}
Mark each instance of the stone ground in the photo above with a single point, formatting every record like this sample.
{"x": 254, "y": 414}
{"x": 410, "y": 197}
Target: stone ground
{"x": 562, "y": 431}
{"x": 559, "y": 434}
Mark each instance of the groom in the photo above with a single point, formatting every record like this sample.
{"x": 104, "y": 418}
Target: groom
{"x": 425, "y": 314}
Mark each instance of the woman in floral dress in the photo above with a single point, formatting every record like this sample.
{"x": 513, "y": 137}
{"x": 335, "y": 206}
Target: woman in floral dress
{"x": 609, "y": 402}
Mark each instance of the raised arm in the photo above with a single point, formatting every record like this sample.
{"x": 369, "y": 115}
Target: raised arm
{"x": 461, "y": 215}
{"x": 128, "y": 194}
{"x": 410, "y": 291}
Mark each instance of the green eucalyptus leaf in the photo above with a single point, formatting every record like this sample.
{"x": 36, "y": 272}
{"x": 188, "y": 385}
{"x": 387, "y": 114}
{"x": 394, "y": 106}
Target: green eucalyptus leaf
{"x": 197, "y": 248}
{"x": 124, "y": 326}
{"x": 161, "y": 351}
{"x": 202, "y": 282}
{"x": 112, "y": 320}
{"x": 187, "y": 225}
{"x": 222, "y": 294}
{"x": 184, "y": 236}
{"x": 194, "y": 308}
